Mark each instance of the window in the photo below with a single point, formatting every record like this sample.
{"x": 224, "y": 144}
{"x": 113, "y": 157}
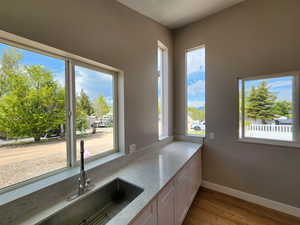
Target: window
{"x": 195, "y": 91}
{"x": 32, "y": 115}
{"x": 94, "y": 110}
{"x": 162, "y": 91}
{"x": 267, "y": 107}
{"x": 48, "y": 103}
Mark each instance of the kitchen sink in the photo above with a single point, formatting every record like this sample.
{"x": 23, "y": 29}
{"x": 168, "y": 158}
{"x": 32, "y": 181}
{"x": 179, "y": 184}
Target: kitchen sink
{"x": 98, "y": 207}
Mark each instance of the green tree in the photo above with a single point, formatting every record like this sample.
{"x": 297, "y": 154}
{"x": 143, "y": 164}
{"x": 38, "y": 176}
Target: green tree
{"x": 84, "y": 103}
{"x": 260, "y": 103}
{"x": 101, "y": 106}
{"x": 283, "y": 108}
{"x": 81, "y": 120}
{"x": 196, "y": 114}
{"x": 9, "y": 68}
{"x": 32, "y": 103}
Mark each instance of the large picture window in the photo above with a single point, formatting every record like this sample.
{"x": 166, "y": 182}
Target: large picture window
{"x": 267, "y": 106}
{"x": 48, "y": 103}
{"x": 195, "y": 91}
{"x": 32, "y": 115}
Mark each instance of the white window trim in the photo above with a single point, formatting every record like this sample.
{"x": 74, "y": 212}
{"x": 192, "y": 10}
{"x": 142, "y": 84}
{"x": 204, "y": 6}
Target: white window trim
{"x": 186, "y": 93}
{"x": 296, "y": 107}
{"x": 165, "y": 90}
{"x": 119, "y": 136}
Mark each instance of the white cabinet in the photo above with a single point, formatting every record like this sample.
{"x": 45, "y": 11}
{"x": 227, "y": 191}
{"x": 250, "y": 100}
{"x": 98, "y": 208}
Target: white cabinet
{"x": 166, "y": 205}
{"x": 182, "y": 190}
{"x": 173, "y": 202}
{"x": 195, "y": 171}
{"x": 187, "y": 183}
{"x": 148, "y": 215}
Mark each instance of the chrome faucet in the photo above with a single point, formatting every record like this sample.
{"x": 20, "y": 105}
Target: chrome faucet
{"x": 84, "y": 184}
{"x": 83, "y": 181}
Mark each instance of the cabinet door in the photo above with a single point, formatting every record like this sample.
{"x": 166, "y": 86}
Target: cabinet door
{"x": 195, "y": 175}
{"x": 166, "y": 205}
{"x": 148, "y": 216}
{"x": 182, "y": 193}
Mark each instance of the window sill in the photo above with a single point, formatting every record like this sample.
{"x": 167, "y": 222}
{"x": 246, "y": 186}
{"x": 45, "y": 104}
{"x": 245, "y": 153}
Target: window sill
{"x": 269, "y": 142}
{"x": 22, "y": 189}
{"x": 190, "y": 138}
{"x": 163, "y": 138}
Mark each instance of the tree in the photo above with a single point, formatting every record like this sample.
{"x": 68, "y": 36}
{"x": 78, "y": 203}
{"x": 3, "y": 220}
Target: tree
{"x": 283, "y": 108}
{"x": 260, "y": 103}
{"x": 81, "y": 120}
{"x": 196, "y": 114}
{"x": 101, "y": 106}
{"x": 84, "y": 103}
{"x": 9, "y": 67}
{"x": 32, "y": 103}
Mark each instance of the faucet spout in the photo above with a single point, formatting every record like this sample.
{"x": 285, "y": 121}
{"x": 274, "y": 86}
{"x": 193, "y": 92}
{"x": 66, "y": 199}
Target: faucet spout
{"x": 83, "y": 181}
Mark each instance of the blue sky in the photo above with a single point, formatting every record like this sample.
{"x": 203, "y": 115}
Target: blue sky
{"x": 92, "y": 82}
{"x": 281, "y": 87}
{"x": 196, "y": 77}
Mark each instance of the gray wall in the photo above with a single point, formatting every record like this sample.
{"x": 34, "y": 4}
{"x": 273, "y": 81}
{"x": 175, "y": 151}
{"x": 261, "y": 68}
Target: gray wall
{"x": 256, "y": 37}
{"x": 107, "y": 32}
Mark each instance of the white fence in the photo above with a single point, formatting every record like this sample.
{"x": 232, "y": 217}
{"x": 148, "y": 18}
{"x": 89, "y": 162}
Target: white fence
{"x": 269, "y": 131}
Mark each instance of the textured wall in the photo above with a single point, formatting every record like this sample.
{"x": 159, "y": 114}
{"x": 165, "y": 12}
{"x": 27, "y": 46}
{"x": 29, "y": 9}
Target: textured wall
{"x": 107, "y": 32}
{"x": 256, "y": 37}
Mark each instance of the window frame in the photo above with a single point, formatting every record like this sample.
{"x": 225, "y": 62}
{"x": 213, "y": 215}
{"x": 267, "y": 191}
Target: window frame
{"x": 296, "y": 107}
{"x": 75, "y": 63}
{"x": 70, "y": 61}
{"x": 164, "y": 74}
{"x": 186, "y": 92}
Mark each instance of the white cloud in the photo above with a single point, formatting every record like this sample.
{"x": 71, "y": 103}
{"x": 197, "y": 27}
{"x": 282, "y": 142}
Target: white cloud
{"x": 196, "y": 103}
{"x": 196, "y": 88}
{"x": 280, "y": 84}
{"x": 60, "y": 78}
{"x": 284, "y": 95}
{"x": 195, "y": 59}
{"x": 94, "y": 83}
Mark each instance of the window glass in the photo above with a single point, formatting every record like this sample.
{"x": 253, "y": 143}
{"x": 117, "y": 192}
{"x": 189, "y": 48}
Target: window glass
{"x": 159, "y": 91}
{"x": 266, "y": 107}
{"x": 195, "y": 72}
{"x": 32, "y": 115}
{"x": 94, "y": 111}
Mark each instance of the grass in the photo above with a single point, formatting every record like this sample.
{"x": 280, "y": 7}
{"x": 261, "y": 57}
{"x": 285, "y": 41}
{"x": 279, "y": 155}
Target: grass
{"x": 197, "y": 132}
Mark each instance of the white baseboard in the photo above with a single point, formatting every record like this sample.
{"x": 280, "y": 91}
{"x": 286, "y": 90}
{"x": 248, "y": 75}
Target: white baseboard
{"x": 281, "y": 207}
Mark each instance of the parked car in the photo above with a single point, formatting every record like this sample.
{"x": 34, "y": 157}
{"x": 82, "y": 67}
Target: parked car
{"x": 283, "y": 121}
{"x": 199, "y": 125}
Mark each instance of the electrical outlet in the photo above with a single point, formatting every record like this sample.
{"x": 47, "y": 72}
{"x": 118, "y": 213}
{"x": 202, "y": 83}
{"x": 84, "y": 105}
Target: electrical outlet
{"x": 211, "y": 136}
{"x": 132, "y": 148}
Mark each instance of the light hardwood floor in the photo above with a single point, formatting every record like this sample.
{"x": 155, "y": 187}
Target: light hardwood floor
{"x": 213, "y": 208}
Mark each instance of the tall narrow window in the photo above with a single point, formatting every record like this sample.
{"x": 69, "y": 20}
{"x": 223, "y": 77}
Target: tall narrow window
{"x": 195, "y": 91}
{"x": 32, "y": 115}
{"x": 162, "y": 91}
{"x": 95, "y": 111}
{"x": 267, "y": 107}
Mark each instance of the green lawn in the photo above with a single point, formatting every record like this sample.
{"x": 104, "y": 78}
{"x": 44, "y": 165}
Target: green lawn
{"x": 197, "y": 132}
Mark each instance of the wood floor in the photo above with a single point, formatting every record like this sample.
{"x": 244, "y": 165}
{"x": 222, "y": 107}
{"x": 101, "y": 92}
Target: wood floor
{"x": 213, "y": 208}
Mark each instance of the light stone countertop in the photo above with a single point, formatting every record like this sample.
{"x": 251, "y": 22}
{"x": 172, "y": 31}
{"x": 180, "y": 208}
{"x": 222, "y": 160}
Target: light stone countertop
{"x": 151, "y": 171}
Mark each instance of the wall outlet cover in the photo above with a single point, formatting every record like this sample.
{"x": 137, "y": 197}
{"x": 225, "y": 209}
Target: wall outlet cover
{"x": 132, "y": 148}
{"x": 211, "y": 136}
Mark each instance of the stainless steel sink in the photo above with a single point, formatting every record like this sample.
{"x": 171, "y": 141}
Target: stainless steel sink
{"x": 97, "y": 208}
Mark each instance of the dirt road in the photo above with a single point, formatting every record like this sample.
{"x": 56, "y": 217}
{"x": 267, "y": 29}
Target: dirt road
{"x": 19, "y": 163}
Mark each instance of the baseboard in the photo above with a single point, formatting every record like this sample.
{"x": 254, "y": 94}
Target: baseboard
{"x": 281, "y": 207}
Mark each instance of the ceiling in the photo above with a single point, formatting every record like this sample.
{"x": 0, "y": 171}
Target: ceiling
{"x": 177, "y": 13}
